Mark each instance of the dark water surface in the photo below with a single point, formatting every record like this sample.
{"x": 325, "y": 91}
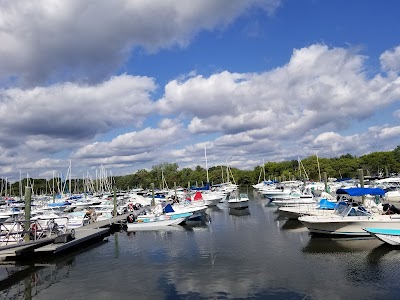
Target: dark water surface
{"x": 249, "y": 254}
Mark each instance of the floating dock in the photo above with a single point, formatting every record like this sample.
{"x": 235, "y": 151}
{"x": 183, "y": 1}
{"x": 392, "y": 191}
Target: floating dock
{"x": 90, "y": 233}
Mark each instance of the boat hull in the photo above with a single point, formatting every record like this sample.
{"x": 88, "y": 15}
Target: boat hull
{"x": 238, "y": 204}
{"x": 349, "y": 226}
{"x": 294, "y": 212}
{"x": 155, "y": 224}
{"x": 389, "y": 236}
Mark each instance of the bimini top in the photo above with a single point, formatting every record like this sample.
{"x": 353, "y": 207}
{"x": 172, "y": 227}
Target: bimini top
{"x": 361, "y": 191}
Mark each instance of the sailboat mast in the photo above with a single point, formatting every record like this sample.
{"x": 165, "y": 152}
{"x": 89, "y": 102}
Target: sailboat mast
{"x": 205, "y": 154}
{"x": 70, "y": 171}
{"x": 319, "y": 170}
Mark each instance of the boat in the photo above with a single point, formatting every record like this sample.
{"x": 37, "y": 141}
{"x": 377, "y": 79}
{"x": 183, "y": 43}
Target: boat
{"x": 207, "y": 198}
{"x": 294, "y": 202}
{"x": 187, "y": 207}
{"x": 238, "y": 202}
{"x": 349, "y": 218}
{"x": 154, "y": 221}
{"x": 389, "y": 236}
{"x": 324, "y": 207}
{"x": 156, "y": 218}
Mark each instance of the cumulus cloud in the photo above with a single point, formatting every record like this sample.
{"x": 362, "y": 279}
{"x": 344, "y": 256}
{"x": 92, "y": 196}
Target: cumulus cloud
{"x": 148, "y": 140}
{"x": 71, "y": 112}
{"x": 88, "y": 40}
{"x": 316, "y": 90}
{"x": 390, "y": 60}
{"x": 292, "y": 111}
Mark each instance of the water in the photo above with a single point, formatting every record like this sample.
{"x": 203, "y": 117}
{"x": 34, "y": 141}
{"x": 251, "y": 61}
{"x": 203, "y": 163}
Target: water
{"x": 249, "y": 254}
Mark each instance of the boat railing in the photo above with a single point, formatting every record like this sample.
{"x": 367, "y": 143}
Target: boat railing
{"x": 19, "y": 231}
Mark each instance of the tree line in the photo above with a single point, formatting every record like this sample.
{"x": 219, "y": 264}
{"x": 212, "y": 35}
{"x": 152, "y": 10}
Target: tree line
{"x": 382, "y": 164}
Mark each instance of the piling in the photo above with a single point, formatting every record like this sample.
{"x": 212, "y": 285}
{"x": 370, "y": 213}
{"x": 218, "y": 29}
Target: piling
{"x": 326, "y": 182}
{"x": 27, "y": 223}
{"x": 153, "y": 202}
{"x": 361, "y": 178}
{"x": 115, "y": 201}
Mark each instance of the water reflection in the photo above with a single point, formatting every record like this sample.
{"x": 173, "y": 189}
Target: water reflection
{"x": 235, "y": 256}
{"x": 33, "y": 277}
{"x": 292, "y": 225}
{"x": 239, "y": 212}
{"x": 318, "y": 244}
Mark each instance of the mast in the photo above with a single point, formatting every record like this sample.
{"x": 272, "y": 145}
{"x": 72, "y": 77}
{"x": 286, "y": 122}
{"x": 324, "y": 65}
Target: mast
{"x": 319, "y": 170}
{"x": 263, "y": 168}
{"x": 70, "y": 171}
{"x": 20, "y": 184}
{"x": 205, "y": 154}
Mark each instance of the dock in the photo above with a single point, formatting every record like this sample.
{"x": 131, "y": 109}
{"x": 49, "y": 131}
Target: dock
{"x": 89, "y": 233}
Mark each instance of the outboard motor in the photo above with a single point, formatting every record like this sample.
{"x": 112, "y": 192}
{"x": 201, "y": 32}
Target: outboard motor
{"x": 131, "y": 218}
{"x": 390, "y": 209}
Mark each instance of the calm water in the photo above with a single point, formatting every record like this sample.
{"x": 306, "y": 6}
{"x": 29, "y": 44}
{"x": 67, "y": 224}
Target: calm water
{"x": 243, "y": 254}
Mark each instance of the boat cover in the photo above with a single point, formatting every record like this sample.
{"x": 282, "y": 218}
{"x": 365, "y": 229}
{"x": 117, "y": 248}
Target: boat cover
{"x": 168, "y": 208}
{"x": 361, "y": 191}
{"x": 325, "y": 204}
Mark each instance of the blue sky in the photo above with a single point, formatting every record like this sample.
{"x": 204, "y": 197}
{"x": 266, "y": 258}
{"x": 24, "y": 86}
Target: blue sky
{"x": 131, "y": 84}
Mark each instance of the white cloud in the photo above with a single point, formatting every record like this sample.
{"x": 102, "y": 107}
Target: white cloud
{"x": 132, "y": 144}
{"x": 320, "y": 88}
{"x": 288, "y": 112}
{"x": 88, "y": 40}
{"x": 71, "y": 112}
{"x": 390, "y": 60}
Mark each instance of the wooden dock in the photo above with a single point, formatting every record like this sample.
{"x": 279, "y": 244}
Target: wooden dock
{"x": 81, "y": 235}
{"x": 89, "y": 233}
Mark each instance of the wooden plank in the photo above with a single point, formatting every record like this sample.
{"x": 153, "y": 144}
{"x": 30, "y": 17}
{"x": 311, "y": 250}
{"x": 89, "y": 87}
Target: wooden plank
{"x": 81, "y": 235}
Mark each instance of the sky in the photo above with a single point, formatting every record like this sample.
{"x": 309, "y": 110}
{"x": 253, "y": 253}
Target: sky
{"x": 125, "y": 85}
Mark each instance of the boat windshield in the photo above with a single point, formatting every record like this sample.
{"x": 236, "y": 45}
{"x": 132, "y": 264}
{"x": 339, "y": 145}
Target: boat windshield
{"x": 344, "y": 209}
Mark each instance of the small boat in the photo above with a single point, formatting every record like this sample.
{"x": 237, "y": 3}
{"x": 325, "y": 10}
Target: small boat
{"x": 154, "y": 221}
{"x": 158, "y": 217}
{"x": 350, "y": 218}
{"x": 323, "y": 208}
{"x": 238, "y": 202}
{"x": 387, "y": 235}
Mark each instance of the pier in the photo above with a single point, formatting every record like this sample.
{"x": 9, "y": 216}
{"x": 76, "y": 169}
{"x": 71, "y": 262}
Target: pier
{"x": 80, "y": 236}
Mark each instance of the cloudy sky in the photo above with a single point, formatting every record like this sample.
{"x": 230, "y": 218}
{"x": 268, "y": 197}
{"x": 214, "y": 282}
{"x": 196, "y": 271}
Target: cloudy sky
{"x": 129, "y": 84}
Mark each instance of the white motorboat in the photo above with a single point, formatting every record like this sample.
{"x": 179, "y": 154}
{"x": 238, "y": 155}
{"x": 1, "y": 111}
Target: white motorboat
{"x": 187, "y": 207}
{"x": 154, "y": 221}
{"x": 323, "y": 208}
{"x": 389, "y": 236}
{"x": 294, "y": 202}
{"x": 238, "y": 202}
{"x": 349, "y": 219}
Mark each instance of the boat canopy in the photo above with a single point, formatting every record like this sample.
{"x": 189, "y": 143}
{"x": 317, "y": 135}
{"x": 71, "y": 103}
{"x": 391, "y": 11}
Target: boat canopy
{"x": 361, "y": 191}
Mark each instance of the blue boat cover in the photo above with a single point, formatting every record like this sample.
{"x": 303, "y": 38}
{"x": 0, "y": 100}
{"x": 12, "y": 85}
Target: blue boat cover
{"x": 361, "y": 191}
{"x": 56, "y": 204}
{"x": 326, "y": 204}
{"x": 202, "y": 188}
{"x": 168, "y": 208}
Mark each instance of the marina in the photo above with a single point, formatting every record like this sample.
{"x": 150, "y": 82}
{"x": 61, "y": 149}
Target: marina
{"x": 251, "y": 253}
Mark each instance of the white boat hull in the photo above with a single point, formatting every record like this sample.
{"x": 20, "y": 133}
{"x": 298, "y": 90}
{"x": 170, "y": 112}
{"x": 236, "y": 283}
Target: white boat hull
{"x": 350, "y": 226}
{"x": 154, "y": 224}
{"x": 294, "y": 202}
{"x": 388, "y": 236}
{"x": 294, "y": 212}
{"x": 238, "y": 204}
